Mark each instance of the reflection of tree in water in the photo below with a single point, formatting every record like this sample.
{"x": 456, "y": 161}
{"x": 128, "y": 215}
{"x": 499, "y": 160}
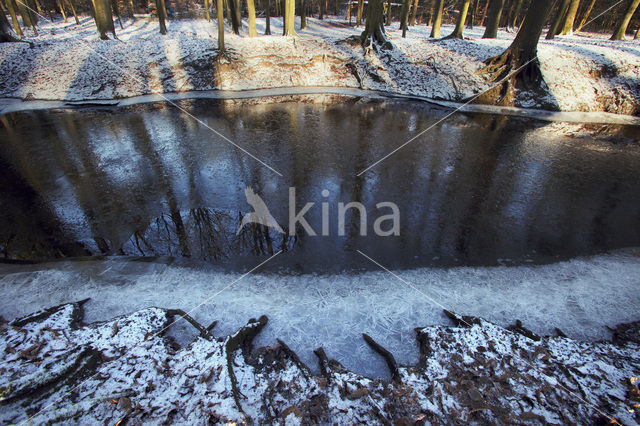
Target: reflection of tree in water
{"x": 209, "y": 233}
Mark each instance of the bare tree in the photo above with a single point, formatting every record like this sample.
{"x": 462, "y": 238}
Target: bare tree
{"x": 437, "y": 19}
{"x": 14, "y": 18}
{"x": 161, "y": 16}
{"x": 585, "y": 15}
{"x": 374, "y": 32}
{"x": 220, "y": 18}
{"x": 404, "y": 17}
{"x": 359, "y": 13}
{"x": 554, "y": 29}
{"x": 289, "y": 18}
{"x": 621, "y": 29}
{"x": 519, "y": 63}
{"x": 267, "y": 28}
{"x": 570, "y": 17}
{"x": 251, "y": 12}
{"x": 104, "y": 18}
{"x": 414, "y": 12}
{"x": 495, "y": 14}
{"x": 462, "y": 18}
{"x": 5, "y": 28}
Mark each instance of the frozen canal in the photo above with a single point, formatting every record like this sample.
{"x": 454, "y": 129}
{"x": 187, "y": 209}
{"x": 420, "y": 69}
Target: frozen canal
{"x": 504, "y": 218}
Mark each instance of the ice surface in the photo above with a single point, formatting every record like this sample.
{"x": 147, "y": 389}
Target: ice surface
{"x": 580, "y": 296}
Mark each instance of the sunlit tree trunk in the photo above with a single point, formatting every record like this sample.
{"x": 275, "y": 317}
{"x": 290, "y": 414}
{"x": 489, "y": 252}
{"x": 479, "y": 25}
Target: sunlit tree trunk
{"x": 414, "y": 12}
{"x": 220, "y": 18}
{"x": 61, "y": 9}
{"x": 621, "y": 29}
{"x": 267, "y": 29}
{"x": 359, "y": 13}
{"x": 462, "y": 18}
{"x": 554, "y": 29}
{"x": 437, "y": 19}
{"x": 27, "y": 16}
{"x": 374, "y": 32}
{"x": 585, "y": 15}
{"x": 5, "y": 28}
{"x": 570, "y": 17}
{"x": 289, "y": 18}
{"x": 206, "y": 10}
{"x": 519, "y": 63}
{"x": 495, "y": 13}
{"x": 73, "y": 10}
{"x": 104, "y": 18}
{"x": 14, "y": 18}
{"x": 388, "y": 22}
{"x": 251, "y": 12}
{"x": 161, "y": 16}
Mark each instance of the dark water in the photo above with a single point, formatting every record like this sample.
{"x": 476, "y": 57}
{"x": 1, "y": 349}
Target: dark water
{"x": 475, "y": 190}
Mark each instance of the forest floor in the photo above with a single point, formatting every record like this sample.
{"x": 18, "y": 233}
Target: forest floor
{"x": 128, "y": 370}
{"x": 583, "y": 72}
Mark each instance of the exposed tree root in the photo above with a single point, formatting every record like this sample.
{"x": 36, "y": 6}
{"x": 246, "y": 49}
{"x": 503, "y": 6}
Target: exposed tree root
{"x": 242, "y": 339}
{"x": 204, "y": 332}
{"x": 384, "y": 353}
{"x": 509, "y": 72}
{"x": 520, "y": 329}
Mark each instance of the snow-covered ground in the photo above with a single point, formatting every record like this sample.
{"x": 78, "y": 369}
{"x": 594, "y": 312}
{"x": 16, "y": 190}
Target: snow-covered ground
{"x": 584, "y": 72}
{"x": 56, "y": 370}
{"x": 581, "y": 296}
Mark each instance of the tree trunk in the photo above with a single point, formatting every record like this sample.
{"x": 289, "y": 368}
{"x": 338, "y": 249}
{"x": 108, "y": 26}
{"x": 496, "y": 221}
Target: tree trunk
{"x": 484, "y": 12}
{"x": 388, "y": 22}
{"x": 73, "y": 10}
{"x": 289, "y": 18}
{"x": 251, "y": 12}
{"x": 513, "y": 22}
{"x": 5, "y": 28}
{"x": 27, "y": 18}
{"x": 474, "y": 9}
{"x": 321, "y": 11}
{"x": 206, "y": 10}
{"x": 585, "y": 15}
{"x": 220, "y": 17}
{"x": 161, "y": 16}
{"x": 114, "y": 7}
{"x": 14, "y": 17}
{"x": 359, "y": 13}
{"x": 621, "y": 29}
{"x": 437, "y": 19}
{"x": 462, "y": 18}
{"x": 374, "y": 33}
{"x": 103, "y": 18}
{"x": 570, "y": 17}
{"x": 557, "y": 21}
{"x": 234, "y": 13}
{"x": 519, "y": 63}
{"x": 495, "y": 13}
{"x": 61, "y": 9}
{"x": 303, "y": 14}
{"x": 404, "y": 17}
{"x": 267, "y": 29}
{"x": 414, "y": 12}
